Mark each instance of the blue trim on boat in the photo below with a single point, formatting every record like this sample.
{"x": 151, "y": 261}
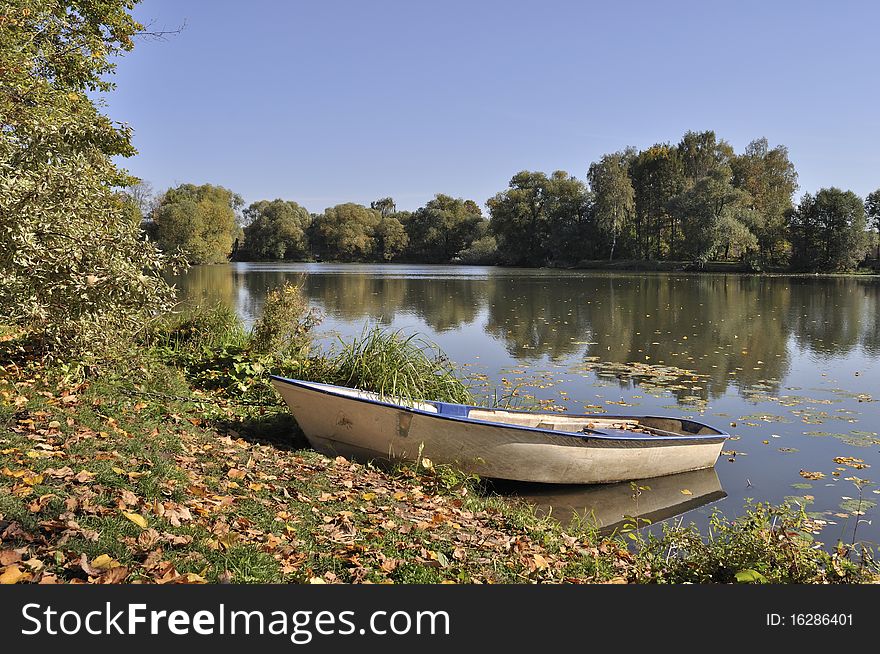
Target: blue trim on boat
{"x": 459, "y": 413}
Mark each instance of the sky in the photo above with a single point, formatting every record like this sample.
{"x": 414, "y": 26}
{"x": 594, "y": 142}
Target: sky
{"x": 326, "y": 101}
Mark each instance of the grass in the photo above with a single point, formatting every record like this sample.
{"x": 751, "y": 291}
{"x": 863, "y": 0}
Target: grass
{"x": 395, "y": 365}
{"x": 158, "y": 470}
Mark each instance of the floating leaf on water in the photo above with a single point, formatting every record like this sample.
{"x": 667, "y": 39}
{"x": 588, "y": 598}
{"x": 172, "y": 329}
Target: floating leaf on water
{"x": 855, "y": 506}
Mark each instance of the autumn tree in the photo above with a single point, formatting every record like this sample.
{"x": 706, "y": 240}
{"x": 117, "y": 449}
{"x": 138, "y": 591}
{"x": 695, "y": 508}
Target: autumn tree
{"x": 770, "y": 180}
{"x": 200, "y": 221}
{"x": 74, "y": 269}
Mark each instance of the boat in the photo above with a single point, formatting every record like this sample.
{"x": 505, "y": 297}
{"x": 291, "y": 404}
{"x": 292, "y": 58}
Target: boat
{"x": 498, "y": 443}
{"x": 612, "y": 506}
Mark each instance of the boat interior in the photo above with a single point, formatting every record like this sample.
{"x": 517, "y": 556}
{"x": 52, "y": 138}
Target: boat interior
{"x": 655, "y": 426}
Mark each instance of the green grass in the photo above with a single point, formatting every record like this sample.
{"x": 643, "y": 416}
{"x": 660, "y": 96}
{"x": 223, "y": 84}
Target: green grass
{"x": 396, "y": 365}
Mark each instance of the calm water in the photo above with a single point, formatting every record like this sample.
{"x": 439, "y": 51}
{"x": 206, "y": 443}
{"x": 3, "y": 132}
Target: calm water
{"x": 787, "y": 365}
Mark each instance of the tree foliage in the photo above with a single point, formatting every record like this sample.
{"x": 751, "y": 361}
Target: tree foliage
{"x": 74, "y": 269}
{"x": 828, "y": 231}
{"x": 443, "y": 228}
{"x": 346, "y": 232}
{"x": 770, "y": 179}
{"x": 276, "y": 230}
{"x": 613, "y": 198}
{"x": 200, "y": 221}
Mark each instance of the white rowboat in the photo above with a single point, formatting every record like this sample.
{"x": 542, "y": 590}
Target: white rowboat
{"x": 498, "y": 443}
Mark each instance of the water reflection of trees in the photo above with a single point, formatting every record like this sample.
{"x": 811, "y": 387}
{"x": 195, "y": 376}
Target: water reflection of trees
{"x": 834, "y": 316}
{"x": 736, "y": 330}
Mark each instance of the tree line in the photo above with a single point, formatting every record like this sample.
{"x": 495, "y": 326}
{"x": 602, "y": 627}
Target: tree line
{"x": 696, "y": 201}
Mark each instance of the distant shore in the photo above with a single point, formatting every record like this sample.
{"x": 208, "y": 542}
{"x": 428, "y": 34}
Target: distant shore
{"x": 627, "y": 265}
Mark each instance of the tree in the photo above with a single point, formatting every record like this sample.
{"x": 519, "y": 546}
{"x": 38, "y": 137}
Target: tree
{"x": 519, "y": 221}
{"x": 385, "y": 206}
{"x": 74, "y": 270}
{"x": 442, "y": 228}
{"x": 872, "y": 213}
{"x": 828, "y": 231}
{"x": 276, "y": 230}
{"x": 770, "y": 180}
{"x": 657, "y": 176}
{"x": 570, "y": 222}
{"x": 198, "y": 220}
{"x": 346, "y": 232}
{"x": 701, "y": 153}
{"x": 613, "y": 196}
{"x": 142, "y": 195}
{"x": 711, "y": 213}
{"x": 391, "y": 238}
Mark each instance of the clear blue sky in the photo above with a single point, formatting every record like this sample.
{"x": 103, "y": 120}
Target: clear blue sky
{"x": 327, "y": 101}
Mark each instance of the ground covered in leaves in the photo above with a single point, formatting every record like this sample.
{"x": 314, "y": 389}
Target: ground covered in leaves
{"x": 106, "y": 481}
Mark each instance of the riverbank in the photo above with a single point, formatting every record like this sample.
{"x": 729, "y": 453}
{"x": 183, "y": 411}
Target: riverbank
{"x": 160, "y": 471}
{"x": 631, "y": 265}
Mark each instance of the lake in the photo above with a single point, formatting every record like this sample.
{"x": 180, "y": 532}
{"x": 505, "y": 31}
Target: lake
{"x": 787, "y": 365}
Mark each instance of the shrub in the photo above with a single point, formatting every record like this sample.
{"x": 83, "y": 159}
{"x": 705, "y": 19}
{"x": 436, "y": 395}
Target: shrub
{"x": 286, "y": 323}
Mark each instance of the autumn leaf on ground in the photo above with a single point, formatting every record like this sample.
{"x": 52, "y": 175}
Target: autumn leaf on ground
{"x": 136, "y": 518}
{"x": 12, "y": 575}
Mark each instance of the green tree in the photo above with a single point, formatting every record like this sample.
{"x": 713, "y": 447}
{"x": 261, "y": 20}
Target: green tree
{"x": 711, "y": 213}
{"x": 442, "y": 228}
{"x": 198, "y": 220}
{"x": 74, "y": 270}
{"x": 657, "y": 176}
{"x": 346, "y": 232}
{"x": 872, "y": 213}
{"x": 770, "y": 179}
{"x": 570, "y": 222}
{"x": 701, "y": 153}
{"x": 385, "y": 206}
{"x": 276, "y": 230}
{"x": 614, "y": 202}
{"x": 828, "y": 231}
{"x": 519, "y": 221}
{"x": 391, "y": 238}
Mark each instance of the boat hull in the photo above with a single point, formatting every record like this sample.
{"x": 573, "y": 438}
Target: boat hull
{"x": 359, "y": 427}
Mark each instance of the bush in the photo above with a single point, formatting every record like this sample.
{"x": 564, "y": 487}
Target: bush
{"x": 482, "y": 252}
{"x": 74, "y": 270}
{"x": 285, "y": 326}
{"x": 769, "y": 544}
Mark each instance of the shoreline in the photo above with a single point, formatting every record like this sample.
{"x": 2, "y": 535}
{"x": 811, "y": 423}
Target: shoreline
{"x": 628, "y": 265}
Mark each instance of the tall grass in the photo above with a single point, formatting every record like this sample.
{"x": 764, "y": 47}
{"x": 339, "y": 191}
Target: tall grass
{"x": 395, "y": 365}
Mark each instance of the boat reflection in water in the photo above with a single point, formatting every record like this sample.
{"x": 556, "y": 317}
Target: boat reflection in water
{"x": 610, "y": 506}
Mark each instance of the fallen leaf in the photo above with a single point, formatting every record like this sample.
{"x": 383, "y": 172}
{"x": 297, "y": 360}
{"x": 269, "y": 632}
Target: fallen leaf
{"x": 136, "y": 518}
{"x": 11, "y": 575}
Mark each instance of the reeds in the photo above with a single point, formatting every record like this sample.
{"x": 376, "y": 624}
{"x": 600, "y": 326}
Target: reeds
{"x": 395, "y": 365}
